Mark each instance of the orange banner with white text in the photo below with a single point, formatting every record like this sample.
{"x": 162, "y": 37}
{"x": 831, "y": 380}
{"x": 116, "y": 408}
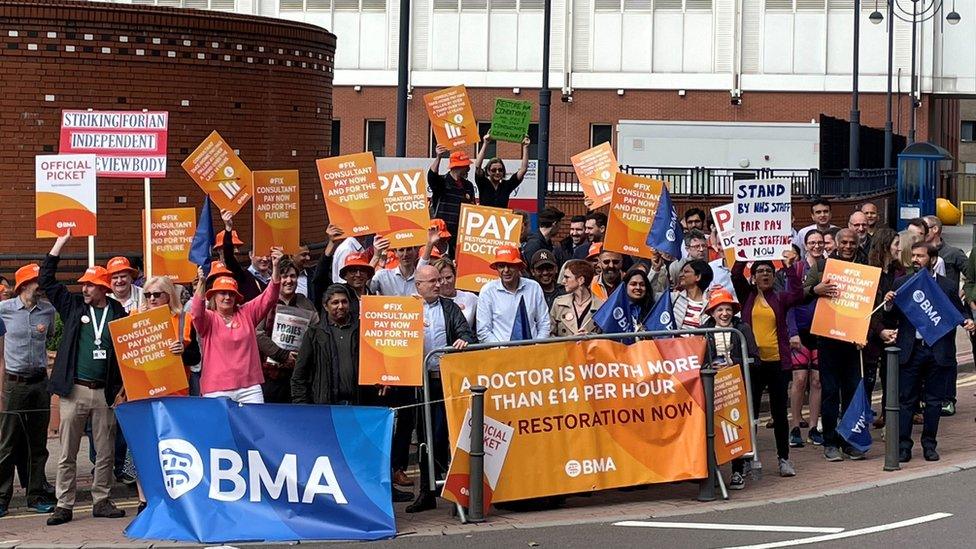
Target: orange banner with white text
{"x": 391, "y": 341}
{"x": 405, "y": 201}
{"x": 847, "y": 315}
{"x": 632, "y": 210}
{"x": 451, "y": 117}
{"x": 596, "y": 169}
{"x": 587, "y": 415}
{"x": 277, "y": 217}
{"x": 353, "y": 197}
{"x": 220, "y": 173}
{"x": 172, "y": 234}
{"x": 142, "y": 346}
{"x": 481, "y": 231}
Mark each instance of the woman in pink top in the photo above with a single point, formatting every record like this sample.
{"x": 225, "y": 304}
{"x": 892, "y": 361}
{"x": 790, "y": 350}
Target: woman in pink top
{"x": 231, "y": 362}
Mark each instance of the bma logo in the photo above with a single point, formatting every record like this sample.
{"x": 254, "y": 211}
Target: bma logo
{"x": 665, "y": 318}
{"x": 918, "y": 296}
{"x": 181, "y": 465}
{"x": 670, "y": 235}
{"x": 576, "y": 468}
{"x": 618, "y": 313}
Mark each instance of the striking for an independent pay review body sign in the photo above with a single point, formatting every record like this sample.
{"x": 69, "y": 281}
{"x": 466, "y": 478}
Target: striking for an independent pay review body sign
{"x": 126, "y": 143}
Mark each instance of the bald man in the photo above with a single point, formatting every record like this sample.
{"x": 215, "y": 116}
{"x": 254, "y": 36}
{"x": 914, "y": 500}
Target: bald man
{"x": 858, "y": 222}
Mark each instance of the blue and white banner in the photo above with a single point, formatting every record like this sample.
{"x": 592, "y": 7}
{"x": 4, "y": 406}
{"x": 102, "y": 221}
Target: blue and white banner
{"x": 927, "y": 307}
{"x": 214, "y": 471}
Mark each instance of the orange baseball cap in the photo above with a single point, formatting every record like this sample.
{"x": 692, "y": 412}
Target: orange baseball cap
{"x": 507, "y": 255}
{"x": 441, "y": 227}
{"x": 595, "y": 249}
{"x": 721, "y": 296}
{"x": 217, "y": 268}
{"x": 356, "y": 260}
{"x": 224, "y": 284}
{"x": 219, "y": 241}
{"x": 119, "y": 265}
{"x": 96, "y": 275}
{"x": 459, "y": 159}
{"x": 25, "y": 274}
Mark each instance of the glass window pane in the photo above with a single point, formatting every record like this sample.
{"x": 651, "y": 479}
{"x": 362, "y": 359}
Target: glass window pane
{"x": 601, "y": 133}
{"x": 376, "y": 137}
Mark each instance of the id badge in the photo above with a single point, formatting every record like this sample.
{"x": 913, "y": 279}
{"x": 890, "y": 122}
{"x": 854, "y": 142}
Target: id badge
{"x": 99, "y": 354}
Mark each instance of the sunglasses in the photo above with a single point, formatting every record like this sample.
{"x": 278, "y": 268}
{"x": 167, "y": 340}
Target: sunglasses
{"x": 153, "y": 295}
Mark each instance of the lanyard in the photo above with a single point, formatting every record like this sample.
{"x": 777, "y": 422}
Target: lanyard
{"x": 99, "y": 326}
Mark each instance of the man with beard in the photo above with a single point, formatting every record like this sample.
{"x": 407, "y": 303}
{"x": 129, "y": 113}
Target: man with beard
{"x": 595, "y": 226}
{"x": 541, "y": 239}
{"x": 611, "y": 265}
{"x": 544, "y": 268}
{"x": 499, "y": 300}
{"x": 576, "y": 245}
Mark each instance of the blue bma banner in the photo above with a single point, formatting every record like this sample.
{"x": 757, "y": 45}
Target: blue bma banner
{"x": 214, "y": 471}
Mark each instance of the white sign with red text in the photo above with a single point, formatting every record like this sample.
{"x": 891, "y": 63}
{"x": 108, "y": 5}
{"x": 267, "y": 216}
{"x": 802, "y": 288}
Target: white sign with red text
{"x": 125, "y": 143}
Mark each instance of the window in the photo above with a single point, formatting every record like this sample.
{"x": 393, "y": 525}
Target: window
{"x": 968, "y": 132}
{"x": 492, "y": 151}
{"x": 534, "y": 138}
{"x": 334, "y": 141}
{"x": 601, "y": 133}
{"x": 376, "y": 137}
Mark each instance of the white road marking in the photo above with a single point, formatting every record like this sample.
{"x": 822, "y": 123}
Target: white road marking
{"x": 730, "y": 527}
{"x": 847, "y": 534}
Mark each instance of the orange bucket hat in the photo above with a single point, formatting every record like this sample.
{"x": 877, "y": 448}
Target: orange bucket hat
{"x": 25, "y": 274}
{"x": 721, "y": 296}
{"x": 119, "y": 265}
{"x": 96, "y": 275}
{"x": 217, "y": 268}
{"x": 595, "y": 249}
{"x": 225, "y": 284}
{"x": 507, "y": 255}
{"x": 356, "y": 260}
{"x": 219, "y": 240}
{"x": 441, "y": 227}
{"x": 459, "y": 159}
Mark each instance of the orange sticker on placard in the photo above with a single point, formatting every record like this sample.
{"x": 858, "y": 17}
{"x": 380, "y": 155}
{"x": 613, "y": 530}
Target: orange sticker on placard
{"x": 220, "y": 173}
{"x": 451, "y": 117}
{"x": 632, "y": 210}
{"x": 406, "y": 206}
{"x": 596, "y": 168}
{"x": 141, "y": 342}
{"x": 481, "y": 231}
{"x": 353, "y": 197}
{"x": 587, "y": 415}
{"x": 733, "y": 432}
{"x": 391, "y": 341}
{"x": 277, "y": 216}
{"x": 172, "y": 233}
{"x": 847, "y": 316}
{"x": 65, "y": 195}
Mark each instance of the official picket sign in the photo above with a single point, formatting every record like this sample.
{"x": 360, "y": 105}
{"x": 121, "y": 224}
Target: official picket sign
{"x": 497, "y": 440}
{"x": 482, "y": 230}
{"x": 65, "y": 195}
{"x": 127, "y": 143}
{"x": 271, "y": 472}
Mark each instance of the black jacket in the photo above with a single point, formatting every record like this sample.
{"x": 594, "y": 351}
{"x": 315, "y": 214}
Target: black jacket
{"x": 316, "y": 376}
{"x": 457, "y": 326}
{"x": 71, "y": 307}
{"x": 249, "y": 286}
{"x": 944, "y": 349}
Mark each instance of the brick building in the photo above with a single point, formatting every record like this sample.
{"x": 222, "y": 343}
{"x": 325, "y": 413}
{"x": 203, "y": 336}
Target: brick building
{"x": 265, "y": 85}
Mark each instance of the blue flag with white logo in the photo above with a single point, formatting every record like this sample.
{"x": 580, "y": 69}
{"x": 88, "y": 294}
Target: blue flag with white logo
{"x": 203, "y": 239}
{"x": 661, "y": 316}
{"x": 855, "y": 426}
{"x": 268, "y": 472}
{"x": 521, "y": 329}
{"x": 614, "y": 316}
{"x": 927, "y": 307}
{"x": 666, "y": 232}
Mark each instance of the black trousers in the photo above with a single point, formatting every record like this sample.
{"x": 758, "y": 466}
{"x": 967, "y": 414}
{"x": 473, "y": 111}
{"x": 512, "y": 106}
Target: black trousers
{"x": 23, "y": 436}
{"x": 440, "y": 440}
{"x": 404, "y": 424}
{"x": 278, "y": 390}
{"x": 840, "y": 372}
{"x": 921, "y": 378}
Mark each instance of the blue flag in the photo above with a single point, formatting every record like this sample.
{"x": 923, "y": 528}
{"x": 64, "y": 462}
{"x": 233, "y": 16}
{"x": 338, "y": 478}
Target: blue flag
{"x": 661, "y": 316}
{"x": 522, "y": 328}
{"x": 927, "y": 307}
{"x": 855, "y": 426}
{"x": 270, "y": 472}
{"x": 614, "y": 316}
{"x": 666, "y": 233}
{"x": 203, "y": 239}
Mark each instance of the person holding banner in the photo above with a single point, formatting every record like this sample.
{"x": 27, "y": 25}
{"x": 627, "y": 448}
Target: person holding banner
{"x": 250, "y": 281}
{"x": 494, "y": 190}
{"x": 450, "y": 190}
{"x": 572, "y": 313}
{"x": 499, "y": 300}
{"x": 123, "y": 289}
{"x": 466, "y": 301}
{"x": 231, "y": 362}
{"x": 86, "y": 376}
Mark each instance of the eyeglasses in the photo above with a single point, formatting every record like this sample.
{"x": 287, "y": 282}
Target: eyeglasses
{"x": 496, "y": 170}
{"x": 815, "y": 244}
{"x": 153, "y": 295}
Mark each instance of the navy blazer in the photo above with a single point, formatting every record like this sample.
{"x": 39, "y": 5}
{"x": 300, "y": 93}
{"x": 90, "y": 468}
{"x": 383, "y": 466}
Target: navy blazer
{"x": 944, "y": 349}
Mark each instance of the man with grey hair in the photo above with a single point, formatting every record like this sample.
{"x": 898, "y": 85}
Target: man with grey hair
{"x": 697, "y": 248}
{"x": 858, "y": 223}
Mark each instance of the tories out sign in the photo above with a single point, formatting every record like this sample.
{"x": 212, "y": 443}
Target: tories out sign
{"x": 126, "y": 143}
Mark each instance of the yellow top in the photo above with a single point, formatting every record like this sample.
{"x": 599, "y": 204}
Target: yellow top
{"x": 764, "y": 326}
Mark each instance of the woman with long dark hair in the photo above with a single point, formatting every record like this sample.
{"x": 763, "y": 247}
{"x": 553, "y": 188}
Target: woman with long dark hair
{"x": 885, "y": 253}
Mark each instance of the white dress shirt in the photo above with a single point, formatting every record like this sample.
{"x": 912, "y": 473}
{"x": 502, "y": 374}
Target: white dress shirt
{"x": 498, "y": 307}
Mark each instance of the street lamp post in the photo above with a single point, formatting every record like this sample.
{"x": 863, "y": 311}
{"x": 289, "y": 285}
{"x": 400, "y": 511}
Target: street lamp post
{"x": 545, "y": 99}
{"x": 403, "y": 65}
{"x": 854, "y": 161}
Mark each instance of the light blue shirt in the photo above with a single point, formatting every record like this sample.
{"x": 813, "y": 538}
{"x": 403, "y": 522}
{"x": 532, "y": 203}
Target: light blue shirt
{"x": 498, "y": 307}
{"x": 435, "y": 331}
{"x": 26, "y": 335}
{"x": 392, "y": 282}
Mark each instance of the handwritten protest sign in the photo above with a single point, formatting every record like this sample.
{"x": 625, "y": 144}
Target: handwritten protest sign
{"x": 632, "y": 210}
{"x": 277, "y": 216}
{"x": 65, "y": 195}
{"x": 220, "y": 173}
{"x": 406, "y": 206}
{"x": 847, "y": 316}
{"x": 596, "y": 168}
{"x": 763, "y": 219}
{"x": 451, "y": 117}
{"x": 172, "y": 233}
{"x": 352, "y": 193}
{"x": 510, "y": 120}
{"x": 733, "y": 430}
{"x": 723, "y": 216}
{"x": 481, "y": 231}
{"x": 391, "y": 341}
{"x": 142, "y": 345}
{"x": 497, "y": 441}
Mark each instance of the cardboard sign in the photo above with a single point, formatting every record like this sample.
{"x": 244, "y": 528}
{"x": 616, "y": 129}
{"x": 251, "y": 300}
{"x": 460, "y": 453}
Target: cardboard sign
{"x": 127, "y": 143}
{"x": 481, "y": 231}
{"x": 497, "y": 441}
{"x": 763, "y": 221}
{"x": 290, "y": 325}
{"x": 510, "y": 120}
{"x": 733, "y": 432}
{"x": 277, "y": 216}
{"x": 632, "y": 210}
{"x": 149, "y": 368}
{"x": 596, "y": 169}
{"x": 847, "y": 316}
{"x": 588, "y": 415}
{"x": 406, "y": 207}
{"x": 451, "y": 117}
{"x": 65, "y": 195}
{"x": 172, "y": 234}
{"x": 220, "y": 173}
{"x": 391, "y": 341}
{"x": 353, "y": 197}
{"x": 723, "y": 217}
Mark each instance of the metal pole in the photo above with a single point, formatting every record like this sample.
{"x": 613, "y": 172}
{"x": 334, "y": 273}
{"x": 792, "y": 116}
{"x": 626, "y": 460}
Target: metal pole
{"x": 911, "y": 116}
{"x": 476, "y": 487}
{"x": 889, "y": 137}
{"x": 706, "y": 487}
{"x": 147, "y": 256}
{"x": 403, "y": 63}
{"x": 91, "y": 251}
{"x": 892, "y": 410}
{"x": 428, "y": 428}
{"x": 854, "y": 161}
{"x": 545, "y": 98}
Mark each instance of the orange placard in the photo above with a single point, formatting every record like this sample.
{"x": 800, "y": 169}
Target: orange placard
{"x": 451, "y": 117}
{"x": 220, "y": 173}
{"x": 277, "y": 216}
{"x": 172, "y": 233}
{"x": 353, "y": 197}
{"x": 587, "y": 415}
{"x": 632, "y": 212}
{"x": 149, "y": 368}
{"x": 406, "y": 206}
{"x": 847, "y": 316}
{"x": 480, "y": 232}
{"x": 391, "y": 341}
{"x": 596, "y": 168}
{"x": 733, "y": 433}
